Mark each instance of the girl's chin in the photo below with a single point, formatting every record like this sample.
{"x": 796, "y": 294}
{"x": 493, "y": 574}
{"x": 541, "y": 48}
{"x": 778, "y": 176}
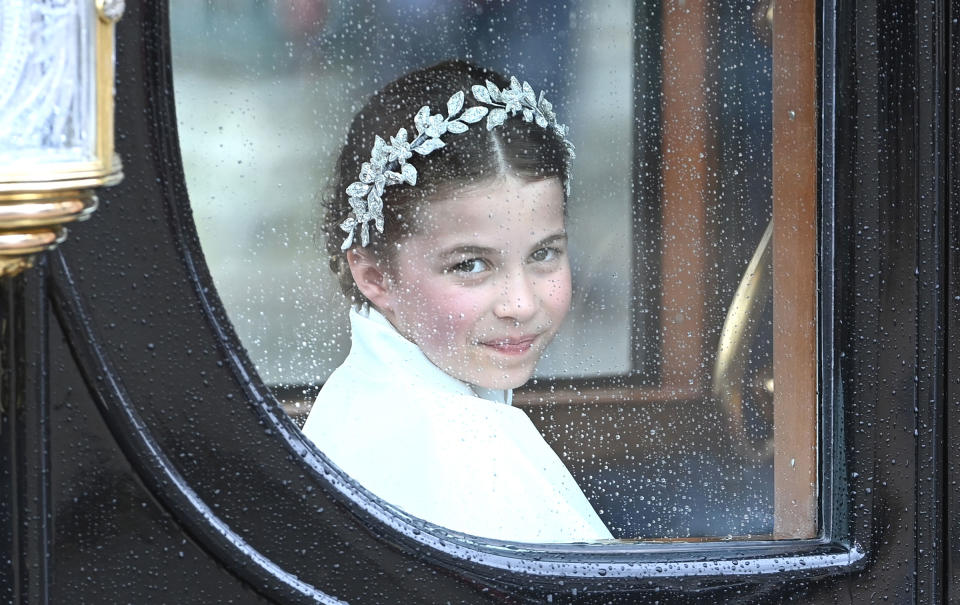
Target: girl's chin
{"x": 498, "y": 379}
{"x": 501, "y": 372}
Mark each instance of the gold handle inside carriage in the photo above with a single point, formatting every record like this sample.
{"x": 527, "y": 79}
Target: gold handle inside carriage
{"x": 733, "y": 351}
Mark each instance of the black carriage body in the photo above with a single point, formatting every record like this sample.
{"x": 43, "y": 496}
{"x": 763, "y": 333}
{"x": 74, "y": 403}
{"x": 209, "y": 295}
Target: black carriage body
{"x": 144, "y": 461}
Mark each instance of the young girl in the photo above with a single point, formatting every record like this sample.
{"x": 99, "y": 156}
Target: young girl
{"x": 447, "y": 234}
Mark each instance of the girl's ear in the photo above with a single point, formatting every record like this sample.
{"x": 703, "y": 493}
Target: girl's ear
{"x": 370, "y": 277}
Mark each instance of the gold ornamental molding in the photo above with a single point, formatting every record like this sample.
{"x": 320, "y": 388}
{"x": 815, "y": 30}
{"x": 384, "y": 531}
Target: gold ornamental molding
{"x": 56, "y": 120}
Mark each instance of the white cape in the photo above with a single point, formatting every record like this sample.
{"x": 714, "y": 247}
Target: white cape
{"x": 457, "y": 456}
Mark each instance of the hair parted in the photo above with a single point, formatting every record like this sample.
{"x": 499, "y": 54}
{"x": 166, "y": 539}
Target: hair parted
{"x": 517, "y": 148}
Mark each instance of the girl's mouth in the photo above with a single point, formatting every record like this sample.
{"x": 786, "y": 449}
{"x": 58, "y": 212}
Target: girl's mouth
{"x": 511, "y": 346}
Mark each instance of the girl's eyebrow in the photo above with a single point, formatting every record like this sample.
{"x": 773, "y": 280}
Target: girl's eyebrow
{"x": 550, "y": 239}
{"x": 472, "y": 250}
{"x": 467, "y": 249}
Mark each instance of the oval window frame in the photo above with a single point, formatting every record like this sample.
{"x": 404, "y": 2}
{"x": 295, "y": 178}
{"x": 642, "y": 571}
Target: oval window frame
{"x": 338, "y": 518}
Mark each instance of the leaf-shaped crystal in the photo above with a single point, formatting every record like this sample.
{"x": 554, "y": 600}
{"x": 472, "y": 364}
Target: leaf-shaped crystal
{"x": 378, "y": 145}
{"x": 541, "y": 120}
{"x": 358, "y": 189}
{"x": 474, "y": 114}
{"x": 358, "y": 205}
{"x": 378, "y": 157}
{"x": 436, "y": 126}
{"x": 429, "y": 146}
{"x": 364, "y": 234}
{"x": 493, "y": 90}
{"x": 349, "y": 240}
{"x": 527, "y": 115}
{"x": 399, "y": 149}
{"x": 421, "y": 120}
{"x": 456, "y": 127}
{"x": 511, "y": 100}
{"x": 528, "y": 95}
{"x": 480, "y": 94}
{"x": 393, "y": 177}
{"x": 410, "y": 173}
{"x": 379, "y": 184}
{"x": 455, "y": 104}
{"x": 496, "y": 117}
{"x": 367, "y": 173}
{"x": 348, "y": 224}
{"x": 375, "y": 206}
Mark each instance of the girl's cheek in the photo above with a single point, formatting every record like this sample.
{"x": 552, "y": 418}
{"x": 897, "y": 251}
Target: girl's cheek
{"x": 449, "y": 313}
{"x": 560, "y": 294}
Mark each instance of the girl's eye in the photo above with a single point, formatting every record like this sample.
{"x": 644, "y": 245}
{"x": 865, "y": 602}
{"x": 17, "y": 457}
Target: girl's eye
{"x": 473, "y": 265}
{"x": 545, "y": 254}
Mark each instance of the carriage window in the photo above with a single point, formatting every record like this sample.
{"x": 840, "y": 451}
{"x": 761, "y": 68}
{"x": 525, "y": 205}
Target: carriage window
{"x": 680, "y": 392}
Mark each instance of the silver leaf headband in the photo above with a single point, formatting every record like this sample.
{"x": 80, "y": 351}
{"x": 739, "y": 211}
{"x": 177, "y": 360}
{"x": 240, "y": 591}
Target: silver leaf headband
{"x": 388, "y": 163}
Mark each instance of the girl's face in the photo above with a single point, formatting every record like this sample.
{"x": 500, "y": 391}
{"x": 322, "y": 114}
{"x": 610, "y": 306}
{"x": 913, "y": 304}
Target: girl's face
{"x": 483, "y": 284}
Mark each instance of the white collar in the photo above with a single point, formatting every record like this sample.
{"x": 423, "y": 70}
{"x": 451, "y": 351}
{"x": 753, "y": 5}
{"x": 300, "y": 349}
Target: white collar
{"x": 377, "y": 343}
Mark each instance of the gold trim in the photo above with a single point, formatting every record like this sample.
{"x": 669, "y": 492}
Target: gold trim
{"x": 105, "y": 91}
{"x": 12, "y": 265}
{"x": 86, "y": 175}
{"x": 26, "y": 242}
{"x": 18, "y": 249}
{"x": 31, "y": 222}
{"x": 40, "y": 210}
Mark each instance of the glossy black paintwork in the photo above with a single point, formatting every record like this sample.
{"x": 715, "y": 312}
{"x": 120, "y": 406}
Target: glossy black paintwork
{"x": 148, "y": 463}
{"x": 951, "y": 470}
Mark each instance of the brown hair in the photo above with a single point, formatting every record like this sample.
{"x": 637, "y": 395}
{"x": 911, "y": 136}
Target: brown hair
{"x": 517, "y": 148}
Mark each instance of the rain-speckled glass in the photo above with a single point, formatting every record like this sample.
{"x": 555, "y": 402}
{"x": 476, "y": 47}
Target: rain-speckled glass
{"x": 680, "y": 392}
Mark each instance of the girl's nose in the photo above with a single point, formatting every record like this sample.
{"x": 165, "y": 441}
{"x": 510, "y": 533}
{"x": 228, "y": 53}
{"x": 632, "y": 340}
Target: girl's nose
{"x": 518, "y": 300}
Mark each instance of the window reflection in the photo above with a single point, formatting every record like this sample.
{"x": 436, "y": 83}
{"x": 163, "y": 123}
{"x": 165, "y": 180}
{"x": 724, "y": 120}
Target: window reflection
{"x": 673, "y": 111}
